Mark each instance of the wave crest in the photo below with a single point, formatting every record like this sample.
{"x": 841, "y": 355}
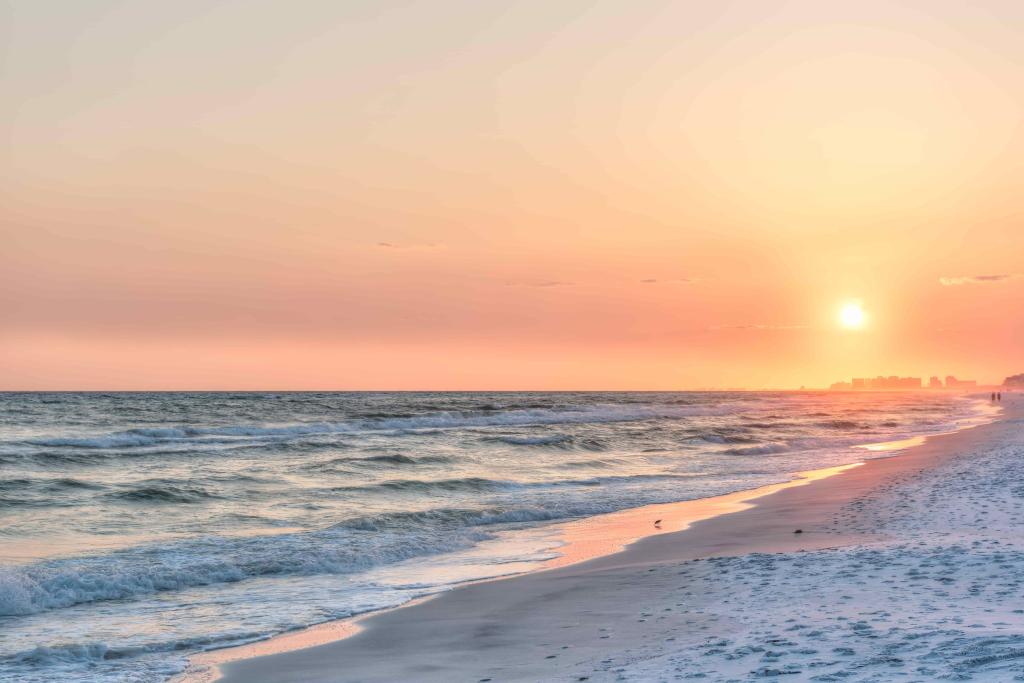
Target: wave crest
{"x": 143, "y": 437}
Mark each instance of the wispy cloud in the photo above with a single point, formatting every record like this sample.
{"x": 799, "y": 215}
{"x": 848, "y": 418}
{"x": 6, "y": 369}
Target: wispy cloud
{"x": 677, "y": 280}
{"x": 541, "y": 283}
{"x": 759, "y": 326}
{"x": 397, "y": 245}
{"x": 978, "y": 279}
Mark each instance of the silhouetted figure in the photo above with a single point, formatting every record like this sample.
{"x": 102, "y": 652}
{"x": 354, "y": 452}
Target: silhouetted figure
{"x": 993, "y": 396}
{"x": 999, "y": 396}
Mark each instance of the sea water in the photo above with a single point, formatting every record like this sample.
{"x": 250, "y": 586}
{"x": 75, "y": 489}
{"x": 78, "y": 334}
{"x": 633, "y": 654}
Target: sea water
{"x": 137, "y": 528}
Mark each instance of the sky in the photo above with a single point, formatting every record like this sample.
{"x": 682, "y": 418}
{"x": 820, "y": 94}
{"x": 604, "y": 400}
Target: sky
{"x": 508, "y": 195}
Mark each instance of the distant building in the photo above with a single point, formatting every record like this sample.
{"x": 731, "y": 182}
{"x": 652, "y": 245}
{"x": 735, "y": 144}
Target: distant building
{"x": 885, "y": 383}
{"x": 954, "y": 383}
{"x": 1016, "y": 381}
{"x": 896, "y": 383}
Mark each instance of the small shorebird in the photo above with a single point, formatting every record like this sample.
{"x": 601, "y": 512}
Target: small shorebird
{"x": 657, "y": 523}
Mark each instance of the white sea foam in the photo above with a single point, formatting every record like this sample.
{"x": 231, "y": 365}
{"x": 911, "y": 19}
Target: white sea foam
{"x": 761, "y": 449}
{"x": 340, "y": 549}
{"x": 117, "y": 440}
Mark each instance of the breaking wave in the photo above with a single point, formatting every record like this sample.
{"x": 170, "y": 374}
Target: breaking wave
{"x": 446, "y": 420}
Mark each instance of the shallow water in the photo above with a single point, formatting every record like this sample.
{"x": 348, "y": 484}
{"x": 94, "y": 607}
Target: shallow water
{"x": 136, "y": 528}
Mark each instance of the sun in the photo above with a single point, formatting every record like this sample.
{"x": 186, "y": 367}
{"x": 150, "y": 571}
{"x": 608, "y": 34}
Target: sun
{"x": 852, "y": 316}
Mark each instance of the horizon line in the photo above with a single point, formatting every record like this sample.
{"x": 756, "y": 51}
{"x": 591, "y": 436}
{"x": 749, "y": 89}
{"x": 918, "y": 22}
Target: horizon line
{"x": 481, "y": 391}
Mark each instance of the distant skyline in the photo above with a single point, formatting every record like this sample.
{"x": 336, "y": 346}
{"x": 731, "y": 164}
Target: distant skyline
{"x": 931, "y": 383}
{"x": 460, "y": 195}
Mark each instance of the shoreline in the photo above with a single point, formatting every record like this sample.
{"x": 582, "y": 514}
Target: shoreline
{"x": 584, "y": 540}
{"x": 728, "y": 525}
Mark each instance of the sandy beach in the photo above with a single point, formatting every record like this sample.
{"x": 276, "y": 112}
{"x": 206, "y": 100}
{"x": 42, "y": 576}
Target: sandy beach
{"x": 906, "y": 567}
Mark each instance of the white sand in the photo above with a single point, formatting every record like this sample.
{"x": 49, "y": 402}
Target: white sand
{"x": 924, "y": 581}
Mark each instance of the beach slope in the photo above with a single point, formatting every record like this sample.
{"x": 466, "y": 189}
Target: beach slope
{"x": 909, "y": 566}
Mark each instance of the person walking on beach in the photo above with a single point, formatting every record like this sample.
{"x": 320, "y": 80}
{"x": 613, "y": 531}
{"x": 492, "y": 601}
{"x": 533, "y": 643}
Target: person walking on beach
{"x": 993, "y": 396}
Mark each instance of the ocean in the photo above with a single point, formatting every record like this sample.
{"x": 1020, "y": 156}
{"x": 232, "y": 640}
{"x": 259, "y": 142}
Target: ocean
{"x": 138, "y": 528}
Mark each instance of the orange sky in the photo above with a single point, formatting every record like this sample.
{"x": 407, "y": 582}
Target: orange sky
{"x": 467, "y": 195}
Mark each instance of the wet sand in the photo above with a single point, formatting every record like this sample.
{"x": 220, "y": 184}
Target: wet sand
{"x": 563, "y": 623}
